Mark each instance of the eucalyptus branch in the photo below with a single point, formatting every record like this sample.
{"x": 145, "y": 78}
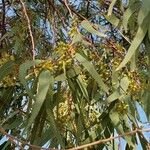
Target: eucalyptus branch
{"x": 29, "y": 28}
{"x": 111, "y": 138}
{"x": 73, "y": 10}
{"x": 12, "y": 139}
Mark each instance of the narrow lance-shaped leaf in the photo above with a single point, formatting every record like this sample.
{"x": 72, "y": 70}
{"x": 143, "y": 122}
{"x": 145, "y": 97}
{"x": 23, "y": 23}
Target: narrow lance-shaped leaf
{"x": 23, "y": 73}
{"x": 129, "y": 12}
{"x": 82, "y": 87}
{"x": 6, "y": 69}
{"x": 43, "y": 86}
{"x": 111, "y": 7}
{"x": 90, "y": 68}
{"x": 113, "y": 20}
{"x": 144, "y": 11}
{"x": 142, "y": 30}
{"x": 88, "y": 26}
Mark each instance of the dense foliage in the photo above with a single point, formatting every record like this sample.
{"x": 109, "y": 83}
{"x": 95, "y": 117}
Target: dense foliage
{"x": 73, "y": 72}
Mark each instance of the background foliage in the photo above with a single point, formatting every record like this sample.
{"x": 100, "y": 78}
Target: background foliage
{"x": 73, "y": 72}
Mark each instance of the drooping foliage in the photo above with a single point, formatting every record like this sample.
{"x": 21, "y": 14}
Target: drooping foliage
{"x": 74, "y": 72}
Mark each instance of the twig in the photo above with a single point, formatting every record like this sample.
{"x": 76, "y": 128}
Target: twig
{"x": 73, "y": 10}
{"x": 29, "y": 27}
{"x": 110, "y": 139}
{"x": 68, "y": 8}
{"x": 57, "y": 12}
{"x": 12, "y": 139}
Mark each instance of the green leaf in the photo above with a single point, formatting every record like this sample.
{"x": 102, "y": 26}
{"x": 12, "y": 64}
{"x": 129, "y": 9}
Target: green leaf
{"x": 149, "y": 32}
{"x": 82, "y": 87}
{"x": 76, "y": 38}
{"x": 124, "y": 83}
{"x": 90, "y": 28}
{"x": 43, "y": 86}
{"x": 142, "y": 30}
{"x": 6, "y": 69}
{"x": 70, "y": 74}
{"x": 144, "y": 11}
{"x": 114, "y": 116}
{"x": 90, "y": 68}
{"x": 6, "y": 35}
{"x": 23, "y": 73}
{"x": 115, "y": 95}
{"x": 53, "y": 126}
{"x": 113, "y": 20}
{"x": 110, "y": 9}
{"x": 129, "y": 12}
{"x": 5, "y": 145}
{"x": 16, "y": 122}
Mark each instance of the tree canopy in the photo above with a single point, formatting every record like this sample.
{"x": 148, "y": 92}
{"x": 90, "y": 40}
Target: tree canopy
{"x": 73, "y": 74}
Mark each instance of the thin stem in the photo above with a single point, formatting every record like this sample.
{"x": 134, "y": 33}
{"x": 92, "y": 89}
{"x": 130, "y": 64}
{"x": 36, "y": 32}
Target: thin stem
{"x": 30, "y": 30}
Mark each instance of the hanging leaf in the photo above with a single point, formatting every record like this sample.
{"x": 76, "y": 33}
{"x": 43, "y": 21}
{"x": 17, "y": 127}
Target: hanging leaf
{"x": 129, "y": 12}
{"x": 82, "y": 87}
{"x": 43, "y": 86}
{"x": 53, "y": 126}
{"x": 144, "y": 11}
{"x": 113, "y": 20}
{"x": 124, "y": 84}
{"x": 114, "y": 116}
{"x": 6, "y": 69}
{"x": 115, "y": 95}
{"x": 23, "y": 73}
{"x": 142, "y": 30}
{"x": 90, "y": 28}
{"x": 110, "y": 9}
{"x": 90, "y": 68}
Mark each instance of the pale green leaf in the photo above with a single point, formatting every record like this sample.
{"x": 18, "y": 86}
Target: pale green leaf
{"x": 129, "y": 12}
{"x": 43, "y": 86}
{"x": 90, "y": 68}
{"x": 23, "y": 73}
{"x": 124, "y": 83}
{"x": 82, "y": 86}
{"x": 90, "y": 28}
{"x": 76, "y": 38}
{"x": 113, "y": 20}
{"x": 6, "y": 69}
{"x": 144, "y": 11}
{"x": 53, "y": 126}
{"x": 115, "y": 118}
{"x": 142, "y": 30}
{"x": 115, "y": 95}
{"x": 110, "y": 9}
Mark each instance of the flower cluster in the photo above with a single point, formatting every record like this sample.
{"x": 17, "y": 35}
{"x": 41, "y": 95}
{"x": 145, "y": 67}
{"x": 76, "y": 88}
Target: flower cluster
{"x": 9, "y": 80}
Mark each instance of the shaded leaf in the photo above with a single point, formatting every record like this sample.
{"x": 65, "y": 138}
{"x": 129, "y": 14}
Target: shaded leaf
{"x": 90, "y": 28}
{"x": 129, "y": 12}
{"x": 135, "y": 43}
{"x": 43, "y": 86}
{"x": 90, "y": 68}
{"x": 110, "y": 9}
{"x": 6, "y": 69}
{"x": 23, "y": 73}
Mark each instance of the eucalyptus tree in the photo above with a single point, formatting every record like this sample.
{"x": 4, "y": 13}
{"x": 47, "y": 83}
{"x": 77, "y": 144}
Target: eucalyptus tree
{"x": 74, "y": 73}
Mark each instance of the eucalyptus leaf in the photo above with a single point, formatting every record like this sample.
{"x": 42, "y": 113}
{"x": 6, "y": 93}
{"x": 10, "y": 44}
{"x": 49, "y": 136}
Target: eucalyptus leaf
{"x": 142, "y": 30}
{"x": 111, "y": 7}
{"x": 23, "y": 73}
{"x": 90, "y": 28}
{"x": 90, "y": 68}
{"x": 6, "y": 69}
{"x": 43, "y": 86}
